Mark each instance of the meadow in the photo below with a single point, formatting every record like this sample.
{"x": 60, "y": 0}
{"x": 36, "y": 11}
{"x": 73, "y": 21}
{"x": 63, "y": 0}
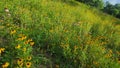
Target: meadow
{"x": 56, "y": 34}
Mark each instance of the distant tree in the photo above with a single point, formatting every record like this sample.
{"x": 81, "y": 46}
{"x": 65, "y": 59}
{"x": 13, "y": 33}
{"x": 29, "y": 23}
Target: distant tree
{"x": 118, "y": 15}
{"x": 108, "y": 8}
{"x": 115, "y": 11}
{"x": 117, "y": 6}
{"x": 112, "y": 9}
{"x": 95, "y": 3}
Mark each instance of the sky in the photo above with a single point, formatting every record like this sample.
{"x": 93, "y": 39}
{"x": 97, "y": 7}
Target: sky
{"x": 113, "y": 1}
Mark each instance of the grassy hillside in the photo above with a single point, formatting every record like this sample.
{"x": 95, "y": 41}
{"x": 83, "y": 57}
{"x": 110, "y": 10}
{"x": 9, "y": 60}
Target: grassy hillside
{"x": 55, "y": 34}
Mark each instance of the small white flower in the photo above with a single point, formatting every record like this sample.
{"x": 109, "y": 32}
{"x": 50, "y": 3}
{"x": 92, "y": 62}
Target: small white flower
{"x": 6, "y": 10}
{"x": 9, "y": 15}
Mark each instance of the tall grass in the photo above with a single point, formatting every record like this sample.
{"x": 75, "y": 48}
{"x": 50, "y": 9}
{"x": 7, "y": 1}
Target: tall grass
{"x": 64, "y": 35}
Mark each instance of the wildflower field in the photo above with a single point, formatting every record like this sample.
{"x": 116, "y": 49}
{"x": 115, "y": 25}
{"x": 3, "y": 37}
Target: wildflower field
{"x": 56, "y": 34}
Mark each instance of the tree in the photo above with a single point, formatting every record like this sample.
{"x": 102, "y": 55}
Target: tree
{"x": 95, "y": 3}
{"x": 112, "y": 9}
{"x": 115, "y": 12}
{"x": 108, "y": 8}
{"x": 117, "y": 6}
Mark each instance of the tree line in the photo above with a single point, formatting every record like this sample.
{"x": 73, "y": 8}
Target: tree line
{"x": 105, "y": 7}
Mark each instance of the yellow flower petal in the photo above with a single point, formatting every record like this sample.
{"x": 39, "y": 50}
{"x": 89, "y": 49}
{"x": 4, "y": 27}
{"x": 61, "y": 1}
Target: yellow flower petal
{"x": 28, "y": 64}
{"x": 13, "y": 32}
{"x": 18, "y": 46}
{"x": 24, "y": 49}
{"x": 19, "y": 61}
{"x": 32, "y": 43}
{"x": 29, "y": 58}
{"x": 5, "y": 65}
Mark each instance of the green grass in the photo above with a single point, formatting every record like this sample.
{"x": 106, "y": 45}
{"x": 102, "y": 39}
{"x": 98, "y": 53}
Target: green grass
{"x": 57, "y": 34}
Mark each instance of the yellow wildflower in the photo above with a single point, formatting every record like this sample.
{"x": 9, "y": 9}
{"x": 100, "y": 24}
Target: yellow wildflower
{"x": 26, "y": 42}
{"x": 20, "y": 35}
{"x": 21, "y": 64}
{"x": 24, "y": 37}
{"x": 29, "y": 40}
{"x": 19, "y": 39}
{"x": 28, "y": 64}
{"x": 18, "y": 46}
{"x": 19, "y": 61}
{"x": 2, "y": 50}
{"x": 24, "y": 49}
{"x": 29, "y": 58}
{"x": 13, "y": 32}
{"x": 110, "y": 51}
{"x": 108, "y": 55}
{"x": 118, "y": 60}
{"x": 31, "y": 43}
{"x": 5, "y": 65}
{"x": 57, "y": 66}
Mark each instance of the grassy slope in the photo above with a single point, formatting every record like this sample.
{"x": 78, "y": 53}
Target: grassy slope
{"x": 58, "y": 29}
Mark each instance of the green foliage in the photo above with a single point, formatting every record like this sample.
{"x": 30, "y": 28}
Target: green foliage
{"x": 64, "y": 36}
{"x": 112, "y": 9}
{"x": 95, "y": 3}
{"x": 15, "y": 46}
